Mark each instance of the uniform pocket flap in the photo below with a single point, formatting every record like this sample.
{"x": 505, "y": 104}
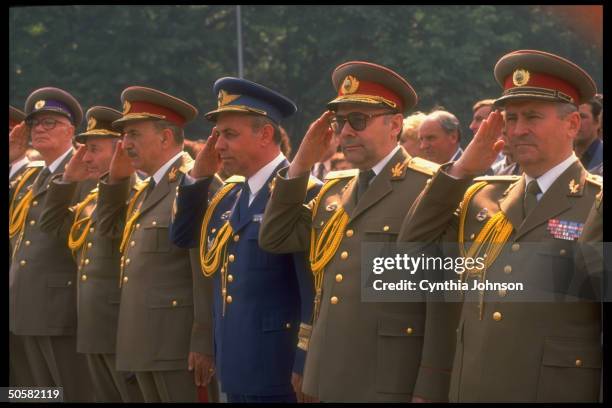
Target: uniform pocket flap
{"x": 384, "y": 226}
{"x": 404, "y": 327}
{"x": 572, "y": 353}
{"x": 59, "y": 281}
{"x": 169, "y": 297}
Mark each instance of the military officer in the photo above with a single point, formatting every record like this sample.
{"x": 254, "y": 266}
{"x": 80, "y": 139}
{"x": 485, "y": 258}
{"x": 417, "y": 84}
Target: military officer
{"x": 157, "y": 335}
{"x": 259, "y": 298}
{"x": 358, "y": 352}
{"x": 42, "y": 295}
{"x": 523, "y": 350}
{"x": 97, "y": 257}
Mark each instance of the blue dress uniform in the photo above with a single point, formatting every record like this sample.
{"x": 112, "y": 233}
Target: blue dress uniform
{"x": 260, "y": 298}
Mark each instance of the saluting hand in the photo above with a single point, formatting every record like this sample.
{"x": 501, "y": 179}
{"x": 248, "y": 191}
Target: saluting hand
{"x": 480, "y": 154}
{"x": 207, "y": 161}
{"x": 121, "y": 165}
{"x": 203, "y": 367}
{"x": 18, "y": 140}
{"x": 76, "y": 169}
{"x": 315, "y": 144}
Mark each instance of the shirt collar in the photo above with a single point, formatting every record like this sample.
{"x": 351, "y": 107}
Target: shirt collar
{"x": 457, "y": 154}
{"x": 53, "y": 166}
{"x": 548, "y": 178}
{"x": 257, "y": 181}
{"x": 381, "y": 164}
{"x": 15, "y": 167}
{"x": 162, "y": 170}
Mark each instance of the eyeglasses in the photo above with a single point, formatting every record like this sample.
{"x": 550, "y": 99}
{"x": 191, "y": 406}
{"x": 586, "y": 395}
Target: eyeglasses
{"x": 47, "y": 123}
{"x": 357, "y": 120}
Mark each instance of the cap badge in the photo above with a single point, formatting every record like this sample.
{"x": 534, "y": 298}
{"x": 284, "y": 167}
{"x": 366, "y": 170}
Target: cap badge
{"x": 39, "y": 104}
{"x": 350, "y": 85}
{"x": 224, "y": 98}
{"x": 91, "y": 123}
{"x": 520, "y": 77}
{"x": 126, "y": 107}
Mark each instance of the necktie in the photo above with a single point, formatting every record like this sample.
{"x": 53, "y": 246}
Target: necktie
{"x": 531, "y": 200}
{"x": 363, "y": 182}
{"x": 149, "y": 188}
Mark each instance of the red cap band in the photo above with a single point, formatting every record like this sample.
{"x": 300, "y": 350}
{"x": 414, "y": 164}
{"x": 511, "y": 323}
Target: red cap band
{"x": 552, "y": 83}
{"x": 146, "y": 107}
{"x": 374, "y": 89}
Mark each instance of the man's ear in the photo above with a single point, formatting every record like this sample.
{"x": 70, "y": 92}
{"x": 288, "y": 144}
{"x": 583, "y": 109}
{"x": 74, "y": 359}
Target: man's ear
{"x": 267, "y": 135}
{"x": 573, "y": 121}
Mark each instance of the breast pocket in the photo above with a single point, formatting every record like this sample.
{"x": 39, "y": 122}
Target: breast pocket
{"x": 570, "y": 370}
{"x": 258, "y": 258}
{"x": 61, "y": 301}
{"x": 156, "y": 238}
{"x": 399, "y": 345}
{"x": 278, "y": 342}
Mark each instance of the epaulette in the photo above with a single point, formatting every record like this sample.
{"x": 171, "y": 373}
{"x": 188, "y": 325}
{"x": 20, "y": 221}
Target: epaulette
{"x": 234, "y": 179}
{"x": 510, "y": 178}
{"x": 594, "y": 179}
{"x": 341, "y": 174}
{"x": 423, "y": 166}
{"x": 36, "y": 163}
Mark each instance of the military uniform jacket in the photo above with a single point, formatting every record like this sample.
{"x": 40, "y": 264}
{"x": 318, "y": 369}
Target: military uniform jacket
{"x": 156, "y": 327}
{"x": 42, "y": 295}
{"x": 358, "y": 352}
{"x": 519, "y": 351}
{"x": 98, "y": 291}
{"x": 267, "y": 294}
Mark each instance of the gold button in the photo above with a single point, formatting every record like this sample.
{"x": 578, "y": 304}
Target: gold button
{"x": 322, "y": 223}
{"x": 125, "y": 279}
{"x": 69, "y": 283}
{"x": 230, "y": 278}
{"x": 339, "y": 278}
{"x": 91, "y": 230}
{"x": 344, "y": 255}
{"x": 409, "y": 330}
{"x": 386, "y": 228}
{"x": 287, "y": 325}
{"x": 428, "y": 181}
{"x": 231, "y": 258}
{"x": 89, "y": 245}
{"x": 333, "y": 300}
{"x": 27, "y": 243}
{"x": 22, "y": 262}
{"x": 137, "y": 225}
{"x": 515, "y": 247}
{"x": 212, "y": 231}
{"x": 497, "y": 316}
{"x": 174, "y": 303}
{"x": 562, "y": 252}
{"x": 507, "y": 269}
{"x": 236, "y": 238}
{"x": 229, "y": 299}
{"x": 34, "y": 203}
{"x": 472, "y": 236}
{"x": 349, "y": 233}
{"x": 502, "y": 292}
{"x": 132, "y": 243}
{"x": 154, "y": 223}
{"x": 83, "y": 278}
{"x": 87, "y": 261}
{"x": 32, "y": 222}
{"x": 578, "y": 363}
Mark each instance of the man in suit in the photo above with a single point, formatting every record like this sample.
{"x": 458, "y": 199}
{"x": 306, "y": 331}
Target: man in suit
{"x": 158, "y": 337}
{"x": 42, "y": 294}
{"x": 97, "y": 257}
{"x": 440, "y": 137}
{"x": 259, "y": 298}
{"x": 588, "y": 146}
{"x": 511, "y": 347}
{"x": 357, "y": 351}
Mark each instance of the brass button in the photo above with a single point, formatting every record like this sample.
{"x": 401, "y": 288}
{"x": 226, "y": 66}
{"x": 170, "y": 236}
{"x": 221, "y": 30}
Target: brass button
{"x": 83, "y": 278}
{"x": 287, "y": 325}
{"x": 428, "y": 181}
{"x": 174, "y": 303}
{"x": 229, "y": 299}
{"x": 334, "y": 300}
{"x": 386, "y": 228}
{"x": 137, "y": 225}
{"x": 87, "y": 261}
{"x": 154, "y": 223}
{"x": 339, "y": 278}
{"x": 230, "y": 278}
{"x": 132, "y": 243}
{"x": 562, "y": 252}
{"x": 236, "y": 238}
{"x": 344, "y": 255}
{"x": 578, "y": 363}
{"x": 127, "y": 261}
{"x": 516, "y": 246}
{"x": 507, "y": 269}
{"x": 34, "y": 203}
{"x": 212, "y": 231}
{"x": 27, "y": 243}
{"x": 231, "y": 258}
{"x": 322, "y": 223}
{"x": 502, "y": 292}
{"x": 91, "y": 230}
{"x": 69, "y": 283}
{"x": 125, "y": 279}
{"x": 22, "y": 262}
{"x": 89, "y": 245}
{"x": 497, "y": 316}
{"x": 472, "y": 236}
{"x": 409, "y": 330}
{"x": 349, "y": 233}
{"x": 32, "y": 222}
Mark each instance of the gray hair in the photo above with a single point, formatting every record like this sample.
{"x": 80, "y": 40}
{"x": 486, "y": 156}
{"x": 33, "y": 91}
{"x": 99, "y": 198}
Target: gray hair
{"x": 448, "y": 122}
